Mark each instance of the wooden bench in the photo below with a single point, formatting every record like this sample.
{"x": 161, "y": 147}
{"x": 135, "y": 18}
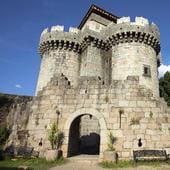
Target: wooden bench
{"x": 22, "y": 151}
{"x": 150, "y": 155}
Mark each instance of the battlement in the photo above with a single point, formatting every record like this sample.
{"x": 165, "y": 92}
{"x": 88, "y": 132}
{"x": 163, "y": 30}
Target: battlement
{"x": 126, "y": 31}
{"x": 140, "y": 21}
{"x": 55, "y": 37}
{"x": 57, "y": 29}
{"x": 75, "y": 39}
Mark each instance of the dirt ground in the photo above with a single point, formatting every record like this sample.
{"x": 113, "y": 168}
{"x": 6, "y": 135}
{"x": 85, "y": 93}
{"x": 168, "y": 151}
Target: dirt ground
{"x": 92, "y": 166}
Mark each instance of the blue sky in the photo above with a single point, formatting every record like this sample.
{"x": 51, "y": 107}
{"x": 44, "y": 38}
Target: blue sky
{"x": 22, "y": 21}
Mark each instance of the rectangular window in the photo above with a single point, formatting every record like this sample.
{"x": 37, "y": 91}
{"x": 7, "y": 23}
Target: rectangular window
{"x": 146, "y": 71}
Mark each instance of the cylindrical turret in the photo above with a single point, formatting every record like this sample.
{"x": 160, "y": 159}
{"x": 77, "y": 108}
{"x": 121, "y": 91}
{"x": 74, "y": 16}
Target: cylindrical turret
{"x": 135, "y": 47}
{"x": 60, "y": 55}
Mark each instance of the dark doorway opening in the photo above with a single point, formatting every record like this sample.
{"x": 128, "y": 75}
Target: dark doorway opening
{"x": 84, "y": 136}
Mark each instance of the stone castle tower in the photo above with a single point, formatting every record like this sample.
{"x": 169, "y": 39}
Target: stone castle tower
{"x": 103, "y": 46}
{"x": 100, "y": 77}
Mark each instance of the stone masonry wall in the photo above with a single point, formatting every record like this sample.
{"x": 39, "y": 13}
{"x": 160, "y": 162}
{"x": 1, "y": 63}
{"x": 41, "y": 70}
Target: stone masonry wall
{"x": 96, "y": 23}
{"x": 143, "y": 117}
{"x": 14, "y": 113}
{"x": 58, "y": 62}
{"x": 91, "y": 63}
{"x": 129, "y": 59}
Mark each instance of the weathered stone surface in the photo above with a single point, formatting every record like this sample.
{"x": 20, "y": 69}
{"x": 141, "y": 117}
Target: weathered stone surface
{"x": 51, "y": 155}
{"x": 110, "y": 156}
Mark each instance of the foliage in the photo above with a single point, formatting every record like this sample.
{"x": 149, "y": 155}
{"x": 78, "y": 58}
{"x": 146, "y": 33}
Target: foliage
{"x": 120, "y": 164}
{"x": 126, "y": 164}
{"x": 151, "y": 115}
{"x": 55, "y": 136}
{"x": 135, "y": 121}
{"x": 4, "y": 134}
{"x": 106, "y": 99}
{"x": 164, "y": 87}
{"x": 5, "y": 100}
{"x": 111, "y": 141}
{"x": 32, "y": 163}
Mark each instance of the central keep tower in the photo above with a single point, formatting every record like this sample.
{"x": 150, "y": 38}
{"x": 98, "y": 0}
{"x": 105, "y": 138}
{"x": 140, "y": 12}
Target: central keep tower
{"x": 103, "y": 46}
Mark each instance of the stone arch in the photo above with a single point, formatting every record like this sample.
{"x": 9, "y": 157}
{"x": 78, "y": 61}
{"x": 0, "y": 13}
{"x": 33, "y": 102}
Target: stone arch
{"x": 102, "y": 123}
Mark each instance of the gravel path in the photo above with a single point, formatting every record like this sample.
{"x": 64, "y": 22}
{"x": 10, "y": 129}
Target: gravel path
{"x": 92, "y": 166}
{"x": 90, "y": 162}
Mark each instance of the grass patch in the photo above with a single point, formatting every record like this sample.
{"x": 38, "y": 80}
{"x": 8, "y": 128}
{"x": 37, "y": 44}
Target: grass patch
{"x": 120, "y": 164}
{"x": 32, "y": 163}
{"x": 126, "y": 164}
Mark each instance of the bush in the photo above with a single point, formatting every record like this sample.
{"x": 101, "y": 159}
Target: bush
{"x": 4, "y": 134}
{"x": 111, "y": 141}
{"x": 55, "y": 137}
{"x": 164, "y": 87}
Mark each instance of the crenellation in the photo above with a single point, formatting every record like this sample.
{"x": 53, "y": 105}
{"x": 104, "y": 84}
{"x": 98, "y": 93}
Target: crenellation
{"x": 123, "y": 20}
{"x": 44, "y": 32}
{"x": 58, "y": 28}
{"x": 141, "y": 21}
{"x": 74, "y": 30}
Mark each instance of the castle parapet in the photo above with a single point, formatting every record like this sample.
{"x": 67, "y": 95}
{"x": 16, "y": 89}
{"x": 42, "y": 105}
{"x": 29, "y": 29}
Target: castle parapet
{"x": 139, "y": 31}
{"x": 56, "y": 38}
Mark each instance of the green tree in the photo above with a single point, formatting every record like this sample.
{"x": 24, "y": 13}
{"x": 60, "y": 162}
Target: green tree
{"x": 164, "y": 87}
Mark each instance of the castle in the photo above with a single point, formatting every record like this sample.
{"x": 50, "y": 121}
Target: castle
{"x": 100, "y": 77}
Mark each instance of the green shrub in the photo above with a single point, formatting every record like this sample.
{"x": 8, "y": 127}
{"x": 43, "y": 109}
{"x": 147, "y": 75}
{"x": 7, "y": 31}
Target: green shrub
{"x": 135, "y": 121}
{"x": 111, "y": 141}
{"x": 4, "y": 134}
{"x": 55, "y": 136}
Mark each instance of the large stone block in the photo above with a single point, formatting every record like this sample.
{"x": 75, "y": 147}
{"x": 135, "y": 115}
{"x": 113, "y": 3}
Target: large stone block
{"x": 127, "y": 145}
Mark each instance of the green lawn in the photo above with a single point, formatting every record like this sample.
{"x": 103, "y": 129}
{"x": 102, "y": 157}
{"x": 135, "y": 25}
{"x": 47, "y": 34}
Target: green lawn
{"x": 32, "y": 163}
{"x": 126, "y": 164}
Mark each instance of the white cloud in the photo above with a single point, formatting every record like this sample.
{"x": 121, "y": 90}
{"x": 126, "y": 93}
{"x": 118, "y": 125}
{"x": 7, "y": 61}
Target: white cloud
{"x": 163, "y": 69}
{"x": 18, "y": 86}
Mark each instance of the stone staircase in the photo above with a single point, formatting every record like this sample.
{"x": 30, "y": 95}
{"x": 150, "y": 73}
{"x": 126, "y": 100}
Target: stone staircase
{"x": 90, "y": 159}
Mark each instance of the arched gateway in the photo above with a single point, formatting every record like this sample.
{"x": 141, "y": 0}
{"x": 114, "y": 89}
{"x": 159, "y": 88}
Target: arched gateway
{"x": 73, "y": 123}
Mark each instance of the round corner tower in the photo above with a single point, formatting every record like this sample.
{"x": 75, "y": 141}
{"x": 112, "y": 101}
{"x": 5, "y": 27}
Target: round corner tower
{"x": 135, "y": 49}
{"x": 59, "y": 52}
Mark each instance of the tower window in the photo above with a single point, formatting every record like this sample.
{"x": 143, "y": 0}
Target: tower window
{"x": 146, "y": 71}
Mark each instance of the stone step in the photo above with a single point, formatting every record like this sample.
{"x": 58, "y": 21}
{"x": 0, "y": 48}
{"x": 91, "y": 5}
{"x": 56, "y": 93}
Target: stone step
{"x": 90, "y": 159}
